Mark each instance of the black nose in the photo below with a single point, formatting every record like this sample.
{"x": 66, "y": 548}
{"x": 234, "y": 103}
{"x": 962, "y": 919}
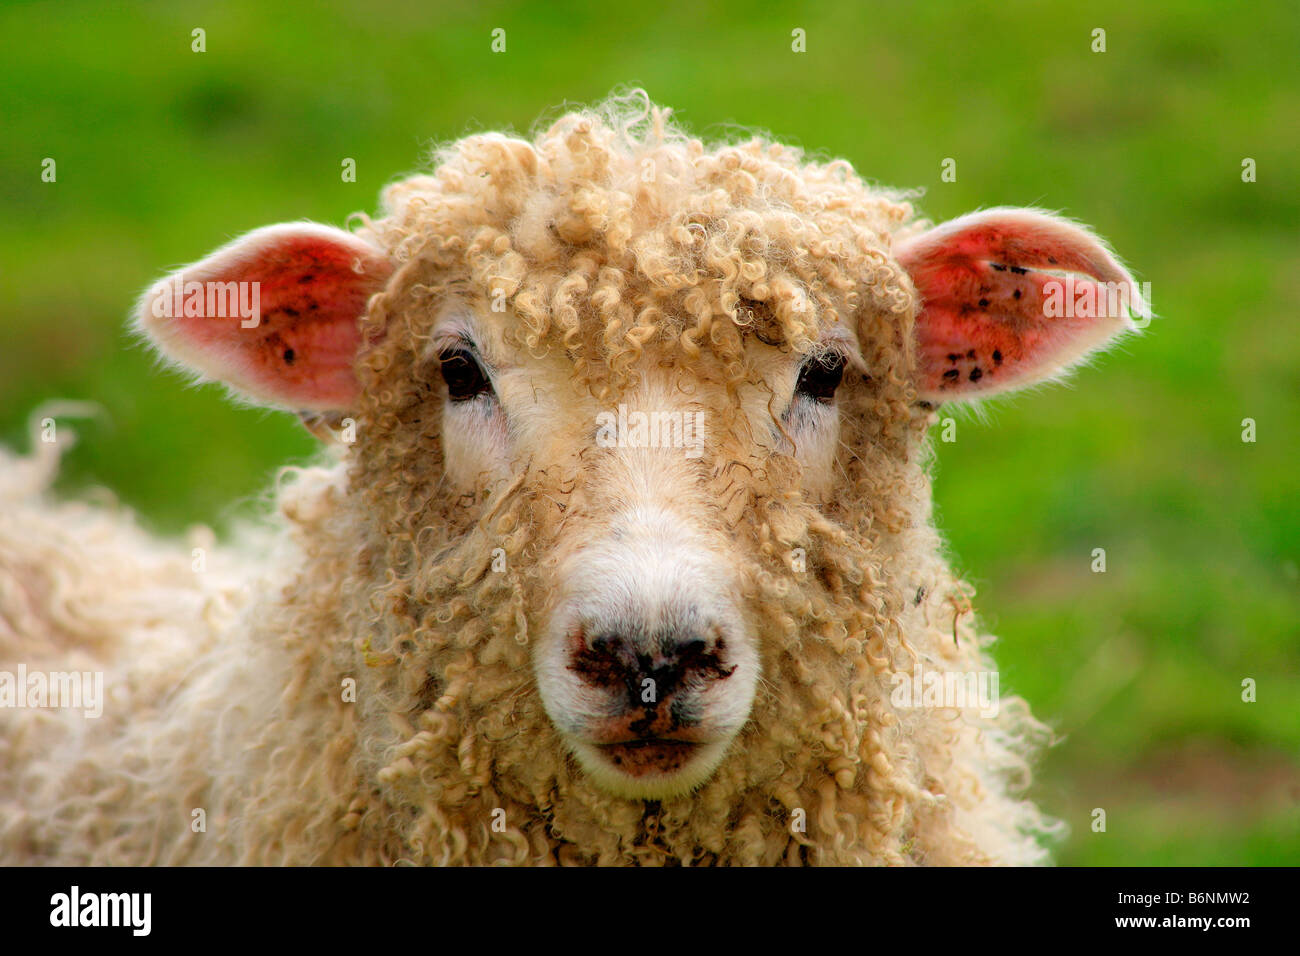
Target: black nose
{"x": 650, "y": 670}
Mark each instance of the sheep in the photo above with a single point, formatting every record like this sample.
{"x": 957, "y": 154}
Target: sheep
{"x": 497, "y": 621}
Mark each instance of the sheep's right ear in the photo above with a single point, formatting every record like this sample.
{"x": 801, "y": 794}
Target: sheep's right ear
{"x": 274, "y": 315}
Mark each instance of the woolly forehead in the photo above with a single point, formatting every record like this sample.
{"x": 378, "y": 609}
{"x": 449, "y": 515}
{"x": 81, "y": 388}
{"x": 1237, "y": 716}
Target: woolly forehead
{"x": 600, "y": 245}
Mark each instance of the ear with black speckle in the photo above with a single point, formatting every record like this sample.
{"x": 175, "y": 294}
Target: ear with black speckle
{"x": 999, "y": 291}
{"x": 274, "y": 315}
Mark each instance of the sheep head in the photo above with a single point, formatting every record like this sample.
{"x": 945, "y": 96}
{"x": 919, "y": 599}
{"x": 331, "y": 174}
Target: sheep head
{"x": 639, "y": 430}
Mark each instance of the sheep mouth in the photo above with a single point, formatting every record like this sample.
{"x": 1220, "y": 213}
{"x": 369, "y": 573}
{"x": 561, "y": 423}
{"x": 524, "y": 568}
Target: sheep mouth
{"x": 641, "y": 758}
{"x": 651, "y": 768}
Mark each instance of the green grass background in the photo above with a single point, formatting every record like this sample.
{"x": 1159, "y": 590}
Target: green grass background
{"x": 164, "y": 153}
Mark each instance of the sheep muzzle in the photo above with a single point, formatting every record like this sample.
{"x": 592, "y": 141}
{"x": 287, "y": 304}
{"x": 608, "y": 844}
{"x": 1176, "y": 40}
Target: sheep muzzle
{"x": 647, "y": 669}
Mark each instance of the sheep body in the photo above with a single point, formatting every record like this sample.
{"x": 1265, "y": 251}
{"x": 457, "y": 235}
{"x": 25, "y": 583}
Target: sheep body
{"x": 356, "y": 687}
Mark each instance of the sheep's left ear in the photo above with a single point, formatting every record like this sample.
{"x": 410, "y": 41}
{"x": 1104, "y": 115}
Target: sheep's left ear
{"x": 275, "y": 315}
{"x": 1011, "y": 297}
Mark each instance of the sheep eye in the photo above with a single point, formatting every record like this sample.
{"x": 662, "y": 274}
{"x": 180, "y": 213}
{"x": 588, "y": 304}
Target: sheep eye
{"x": 463, "y": 375}
{"x": 820, "y": 377}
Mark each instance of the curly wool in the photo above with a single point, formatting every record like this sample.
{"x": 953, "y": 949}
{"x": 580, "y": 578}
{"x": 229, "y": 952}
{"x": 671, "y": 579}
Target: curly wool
{"x": 611, "y": 238}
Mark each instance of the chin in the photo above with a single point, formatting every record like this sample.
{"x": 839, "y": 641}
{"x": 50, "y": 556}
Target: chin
{"x": 649, "y": 770}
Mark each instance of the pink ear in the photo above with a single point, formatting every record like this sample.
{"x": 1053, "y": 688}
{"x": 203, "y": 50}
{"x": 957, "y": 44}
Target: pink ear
{"x": 274, "y": 314}
{"x": 1011, "y": 297}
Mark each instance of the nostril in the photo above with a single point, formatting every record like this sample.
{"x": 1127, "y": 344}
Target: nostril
{"x": 692, "y": 652}
{"x": 606, "y": 645}
{"x": 605, "y": 660}
{"x": 697, "y": 659}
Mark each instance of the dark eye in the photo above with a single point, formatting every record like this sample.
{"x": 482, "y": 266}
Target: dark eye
{"x": 820, "y": 377}
{"x": 463, "y": 375}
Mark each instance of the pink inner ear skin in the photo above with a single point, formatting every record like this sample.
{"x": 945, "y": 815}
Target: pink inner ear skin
{"x": 313, "y": 285}
{"x": 308, "y": 333}
{"x": 985, "y": 327}
{"x": 1009, "y": 241}
{"x": 984, "y": 281}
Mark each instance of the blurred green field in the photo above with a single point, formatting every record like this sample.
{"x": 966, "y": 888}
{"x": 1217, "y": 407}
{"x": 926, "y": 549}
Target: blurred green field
{"x": 164, "y": 153}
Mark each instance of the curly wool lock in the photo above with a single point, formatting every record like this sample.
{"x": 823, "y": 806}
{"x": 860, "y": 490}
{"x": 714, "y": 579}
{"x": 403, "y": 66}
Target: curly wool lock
{"x": 611, "y": 255}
